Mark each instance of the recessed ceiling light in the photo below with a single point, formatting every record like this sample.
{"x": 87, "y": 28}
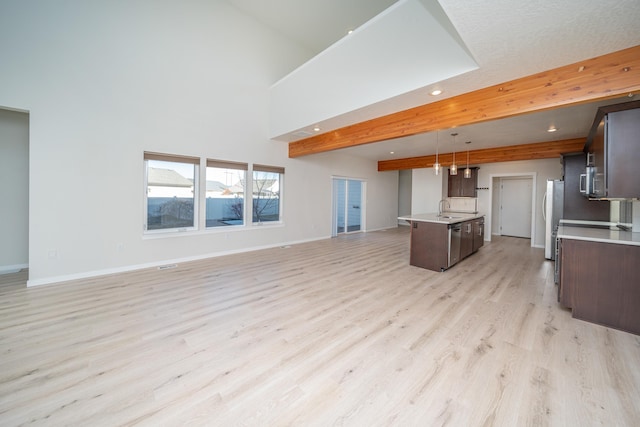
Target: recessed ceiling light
{"x": 552, "y": 129}
{"x": 349, "y": 31}
{"x": 392, "y": 152}
{"x": 316, "y": 129}
{"x": 436, "y": 92}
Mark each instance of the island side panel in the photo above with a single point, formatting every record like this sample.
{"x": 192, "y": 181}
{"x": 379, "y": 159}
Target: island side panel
{"x": 429, "y": 245}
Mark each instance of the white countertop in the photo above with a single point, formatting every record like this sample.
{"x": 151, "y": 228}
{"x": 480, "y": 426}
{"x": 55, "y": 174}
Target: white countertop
{"x": 444, "y": 218}
{"x": 599, "y": 235}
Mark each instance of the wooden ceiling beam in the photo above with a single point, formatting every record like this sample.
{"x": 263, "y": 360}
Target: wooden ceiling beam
{"x": 539, "y": 150}
{"x": 603, "y": 77}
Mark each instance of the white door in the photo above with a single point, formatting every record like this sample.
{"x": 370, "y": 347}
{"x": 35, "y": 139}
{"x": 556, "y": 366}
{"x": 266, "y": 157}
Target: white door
{"x": 515, "y": 207}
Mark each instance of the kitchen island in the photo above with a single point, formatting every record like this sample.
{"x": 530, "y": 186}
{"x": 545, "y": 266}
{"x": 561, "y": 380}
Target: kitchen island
{"x": 439, "y": 241}
{"x": 599, "y": 275}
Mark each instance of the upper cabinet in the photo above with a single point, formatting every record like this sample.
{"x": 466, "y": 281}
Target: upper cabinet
{"x": 613, "y": 149}
{"x": 459, "y": 186}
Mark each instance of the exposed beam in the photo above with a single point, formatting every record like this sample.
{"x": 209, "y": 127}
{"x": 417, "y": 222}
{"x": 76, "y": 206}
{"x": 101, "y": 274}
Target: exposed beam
{"x": 603, "y": 77}
{"x": 539, "y": 150}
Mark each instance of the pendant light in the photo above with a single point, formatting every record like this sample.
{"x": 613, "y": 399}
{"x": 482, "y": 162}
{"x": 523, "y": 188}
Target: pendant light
{"x": 436, "y": 165}
{"x": 467, "y": 171}
{"x": 454, "y": 169}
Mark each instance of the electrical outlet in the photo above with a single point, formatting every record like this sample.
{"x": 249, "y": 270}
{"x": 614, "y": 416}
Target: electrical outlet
{"x": 120, "y": 247}
{"x": 53, "y": 253}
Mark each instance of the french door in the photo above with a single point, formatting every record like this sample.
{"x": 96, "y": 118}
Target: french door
{"x": 347, "y": 205}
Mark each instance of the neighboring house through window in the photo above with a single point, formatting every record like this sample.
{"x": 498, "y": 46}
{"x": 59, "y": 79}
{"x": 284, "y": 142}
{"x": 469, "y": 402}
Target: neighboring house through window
{"x": 171, "y": 192}
{"x": 226, "y": 187}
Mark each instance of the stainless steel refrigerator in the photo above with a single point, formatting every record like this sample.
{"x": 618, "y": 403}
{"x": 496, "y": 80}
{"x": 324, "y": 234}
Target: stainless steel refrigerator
{"x": 552, "y": 209}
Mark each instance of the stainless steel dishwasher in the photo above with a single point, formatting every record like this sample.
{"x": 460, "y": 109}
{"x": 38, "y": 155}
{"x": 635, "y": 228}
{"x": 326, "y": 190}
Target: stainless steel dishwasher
{"x": 455, "y": 235}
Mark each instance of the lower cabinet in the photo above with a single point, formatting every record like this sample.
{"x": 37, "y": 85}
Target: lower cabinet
{"x": 430, "y": 243}
{"x": 600, "y": 282}
{"x": 466, "y": 242}
{"x": 478, "y": 233}
{"x": 472, "y": 236}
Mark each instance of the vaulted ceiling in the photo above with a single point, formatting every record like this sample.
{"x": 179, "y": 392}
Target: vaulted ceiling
{"x": 509, "y": 40}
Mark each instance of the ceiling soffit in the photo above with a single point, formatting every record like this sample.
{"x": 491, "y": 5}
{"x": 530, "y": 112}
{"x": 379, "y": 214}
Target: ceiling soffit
{"x": 411, "y": 45}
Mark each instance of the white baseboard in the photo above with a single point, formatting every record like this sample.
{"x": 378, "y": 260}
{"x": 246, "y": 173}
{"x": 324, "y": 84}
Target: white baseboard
{"x": 125, "y": 269}
{"x": 381, "y": 229}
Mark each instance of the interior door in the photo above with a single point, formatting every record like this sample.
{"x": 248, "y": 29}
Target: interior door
{"x": 347, "y": 205}
{"x": 515, "y": 207}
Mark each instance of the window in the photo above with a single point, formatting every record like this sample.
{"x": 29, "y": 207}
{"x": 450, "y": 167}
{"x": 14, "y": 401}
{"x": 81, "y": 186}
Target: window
{"x": 267, "y": 186}
{"x": 174, "y": 198}
{"x": 171, "y": 193}
{"x": 225, "y": 193}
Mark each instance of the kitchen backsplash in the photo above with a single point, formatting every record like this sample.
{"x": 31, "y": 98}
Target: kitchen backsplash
{"x": 462, "y": 204}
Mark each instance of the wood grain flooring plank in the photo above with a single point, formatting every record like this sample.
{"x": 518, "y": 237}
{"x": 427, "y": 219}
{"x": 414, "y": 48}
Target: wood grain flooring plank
{"x": 341, "y": 331}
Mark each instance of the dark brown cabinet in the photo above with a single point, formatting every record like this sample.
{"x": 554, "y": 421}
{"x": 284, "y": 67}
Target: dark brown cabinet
{"x": 438, "y": 246}
{"x": 600, "y": 282}
{"x": 429, "y": 245}
{"x": 623, "y": 151}
{"x": 478, "y": 233}
{"x": 466, "y": 241}
{"x": 567, "y": 263}
{"x": 613, "y": 148}
{"x": 459, "y": 186}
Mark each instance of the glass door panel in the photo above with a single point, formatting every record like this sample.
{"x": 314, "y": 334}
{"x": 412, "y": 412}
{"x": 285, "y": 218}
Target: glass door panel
{"x": 354, "y": 198}
{"x": 340, "y": 195}
{"x": 347, "y": 206}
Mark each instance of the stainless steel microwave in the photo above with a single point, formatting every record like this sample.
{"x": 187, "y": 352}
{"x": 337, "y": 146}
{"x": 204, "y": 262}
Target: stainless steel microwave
{"x": 587, "y": 181}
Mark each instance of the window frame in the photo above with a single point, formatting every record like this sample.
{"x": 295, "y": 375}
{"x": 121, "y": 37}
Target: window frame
{"x": 195, "y": 161}
{"x": 269, "y": 169}
{"x": 200, "y": 165}
{"x": 224, "y": 164}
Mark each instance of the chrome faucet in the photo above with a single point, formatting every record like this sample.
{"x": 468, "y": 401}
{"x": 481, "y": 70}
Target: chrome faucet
{"x": 441, "y": 204}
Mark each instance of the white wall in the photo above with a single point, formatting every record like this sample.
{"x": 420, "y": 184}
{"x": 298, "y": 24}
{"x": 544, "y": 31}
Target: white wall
{"x": 495, "y": 206}
{"x": 404, "y": 193}
{"x": 428, "y": 189}
{"x": 106, "y": 81}
{"x": 543, "y": 170}
{"x": 14, "y": 190}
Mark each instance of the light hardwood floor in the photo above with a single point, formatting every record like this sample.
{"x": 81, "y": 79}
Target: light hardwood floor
{"x": 335, "y": 332}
